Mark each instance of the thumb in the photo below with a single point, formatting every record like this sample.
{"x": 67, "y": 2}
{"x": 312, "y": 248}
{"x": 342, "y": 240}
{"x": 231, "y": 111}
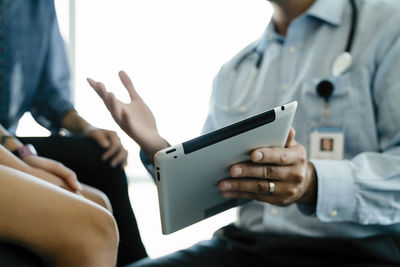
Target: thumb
{"x": 100, "y": 138}
{"x": 290, "y": 140}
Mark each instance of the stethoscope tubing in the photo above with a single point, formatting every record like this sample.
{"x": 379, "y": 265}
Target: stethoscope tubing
{"x": 238, "y": 105}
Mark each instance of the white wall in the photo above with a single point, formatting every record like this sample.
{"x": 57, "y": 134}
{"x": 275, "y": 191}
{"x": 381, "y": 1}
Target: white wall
{"x": 171, "y": 50}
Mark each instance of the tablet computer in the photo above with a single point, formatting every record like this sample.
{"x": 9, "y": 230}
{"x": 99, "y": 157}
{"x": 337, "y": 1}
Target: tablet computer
{"x": 187, "y": 175}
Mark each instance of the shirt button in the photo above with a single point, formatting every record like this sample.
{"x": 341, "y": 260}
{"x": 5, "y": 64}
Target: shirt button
{"x": 2, "y": 63}
{"x": 2, "y": 49}
{"x": 292, "y": 50}
{"x": 285, "y": 86}
{"x": 274, "y": 211}
{"x": 243, "y": 109}
{"x": 333, "y": 213}
{"x": 2, "y": 37}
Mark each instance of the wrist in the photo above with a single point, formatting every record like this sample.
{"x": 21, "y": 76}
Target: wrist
{"x": 158, "y": 144}
{"x": 310, "y": 194}
{"x": 86, "y": 129}
{"x": 4, "y": 139}
{"x": 10, "y": 142}
{"x": 75, "y": 123}
{"x": 25, "y": 151}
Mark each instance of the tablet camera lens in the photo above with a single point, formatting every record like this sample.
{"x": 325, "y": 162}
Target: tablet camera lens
{"x": 282, "y": 108}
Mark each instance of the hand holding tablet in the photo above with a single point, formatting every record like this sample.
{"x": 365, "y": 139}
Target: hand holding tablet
{"x": 189, "y": 174}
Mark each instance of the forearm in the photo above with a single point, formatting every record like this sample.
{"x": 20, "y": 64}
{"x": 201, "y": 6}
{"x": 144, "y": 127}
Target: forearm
{"x": 73, "y": 122}
{"x": 8, "y": 159}
{"x": 8, "y": 141}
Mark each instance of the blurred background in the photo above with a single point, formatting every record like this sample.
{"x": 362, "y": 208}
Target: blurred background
{"x": 172, "y": 51}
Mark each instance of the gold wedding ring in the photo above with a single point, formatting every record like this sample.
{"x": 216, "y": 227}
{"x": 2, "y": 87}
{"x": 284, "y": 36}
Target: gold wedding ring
{"x": 271, "y": 187}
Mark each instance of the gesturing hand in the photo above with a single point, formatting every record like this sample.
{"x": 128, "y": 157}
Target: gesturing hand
{"x": 135, "y": 118}
{"x": 293, "y": 177}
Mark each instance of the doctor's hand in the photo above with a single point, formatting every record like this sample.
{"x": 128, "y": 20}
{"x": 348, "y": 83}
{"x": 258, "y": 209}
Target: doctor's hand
{"x": 134, "y": 118}
{"x": 279, "y": 176}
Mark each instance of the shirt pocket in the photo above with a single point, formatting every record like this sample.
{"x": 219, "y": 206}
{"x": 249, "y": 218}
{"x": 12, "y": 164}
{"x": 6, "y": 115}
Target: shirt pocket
{"x": 345, "y": 110}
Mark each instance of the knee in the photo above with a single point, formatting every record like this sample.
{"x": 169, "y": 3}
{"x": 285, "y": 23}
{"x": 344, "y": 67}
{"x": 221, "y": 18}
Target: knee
{"x": 92, "y": 241}
{"x": 104, "y": 201}
{"x": 101, "y": 235}
{"x": 96, "y": 196}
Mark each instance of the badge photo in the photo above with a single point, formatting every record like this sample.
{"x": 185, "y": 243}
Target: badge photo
{"x": 326, "y": 142}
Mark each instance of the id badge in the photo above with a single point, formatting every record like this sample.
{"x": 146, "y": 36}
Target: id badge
{"x": 326, "y": 142}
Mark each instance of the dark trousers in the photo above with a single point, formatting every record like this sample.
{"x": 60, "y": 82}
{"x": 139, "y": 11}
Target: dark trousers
{"x": 232, "y": 246}
{"x": 16, "y": 256}
{"x": 83, "y": 155}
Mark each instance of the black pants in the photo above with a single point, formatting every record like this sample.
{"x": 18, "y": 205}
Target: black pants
{"x": 16, "y": 256}
{"x": 232, "y": 246}
{"x": 83, "y": 155}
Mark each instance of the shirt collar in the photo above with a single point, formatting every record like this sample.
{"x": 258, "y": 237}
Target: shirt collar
{"x": 329, "y": 11}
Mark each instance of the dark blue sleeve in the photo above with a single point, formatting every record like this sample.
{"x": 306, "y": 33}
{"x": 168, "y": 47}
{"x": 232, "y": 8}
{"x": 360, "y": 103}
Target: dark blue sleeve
{"x": 147, "y": 164}
{"x": 53, "y": 98}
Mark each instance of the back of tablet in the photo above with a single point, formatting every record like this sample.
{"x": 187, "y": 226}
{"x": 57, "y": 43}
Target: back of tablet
{"x": 188, "y": 174}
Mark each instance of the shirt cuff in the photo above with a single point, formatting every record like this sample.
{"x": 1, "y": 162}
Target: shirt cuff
{"x": 336, "y": 200}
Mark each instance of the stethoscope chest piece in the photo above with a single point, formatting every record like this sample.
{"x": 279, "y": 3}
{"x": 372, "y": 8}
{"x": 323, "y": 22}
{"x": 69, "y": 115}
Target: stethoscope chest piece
{"x": 341, "y": 64}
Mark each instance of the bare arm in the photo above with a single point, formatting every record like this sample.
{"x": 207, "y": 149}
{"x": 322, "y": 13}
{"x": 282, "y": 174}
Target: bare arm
{"x": 49, "y": 221}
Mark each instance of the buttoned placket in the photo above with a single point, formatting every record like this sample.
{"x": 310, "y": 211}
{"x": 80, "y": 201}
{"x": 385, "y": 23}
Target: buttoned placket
{"x": 290, "y": 54}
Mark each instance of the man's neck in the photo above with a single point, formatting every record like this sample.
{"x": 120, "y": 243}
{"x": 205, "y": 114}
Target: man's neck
{"x": 287, "y": 10}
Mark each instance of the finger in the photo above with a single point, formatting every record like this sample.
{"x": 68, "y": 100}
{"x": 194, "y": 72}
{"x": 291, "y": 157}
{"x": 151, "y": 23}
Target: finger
{"x": 99, "y": 90}
{"x": 126, "y": 81}
{"x": 125, "y": 163}
{"x": 100, "y": 138}
{"x": 281, "y": 173}
{"x": 107, "y": 97}
{"x": 67, "y": 175}
{"x": 111, "y": 103}
{"x": 290, "y": 140}
{"x": 252, "y": 186}
{"x": 114, "y": 146}
{"x": 120, "y": 158}
{"x": 278, "y": 155}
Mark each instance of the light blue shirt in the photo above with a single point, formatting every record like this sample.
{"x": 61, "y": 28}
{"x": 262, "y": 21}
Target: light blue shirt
{"x": 360, "y": 195}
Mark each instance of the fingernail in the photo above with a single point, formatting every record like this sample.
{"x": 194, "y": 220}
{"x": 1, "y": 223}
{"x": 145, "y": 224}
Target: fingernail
{"x": 226, "y": 186}
{"x": 237, "y": 171}
{"x": 257, "y": 156}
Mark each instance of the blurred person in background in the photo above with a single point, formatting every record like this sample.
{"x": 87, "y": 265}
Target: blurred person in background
{"x": 35, "y": 78}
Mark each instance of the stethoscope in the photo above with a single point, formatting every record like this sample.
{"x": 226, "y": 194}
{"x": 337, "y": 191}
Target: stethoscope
{"x": 324, "y": 88}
